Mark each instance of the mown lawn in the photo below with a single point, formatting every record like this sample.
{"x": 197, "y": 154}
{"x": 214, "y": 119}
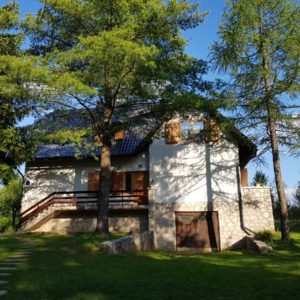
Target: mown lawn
{"x": 70, "y": 267}
{"x": 7, "y": 245}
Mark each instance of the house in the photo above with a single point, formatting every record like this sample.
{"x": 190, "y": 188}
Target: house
{"x": 185, "y": 180}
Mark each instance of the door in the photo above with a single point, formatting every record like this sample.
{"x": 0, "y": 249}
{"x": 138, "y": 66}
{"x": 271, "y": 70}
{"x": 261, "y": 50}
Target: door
{"x": 197, "y": 231}
{"x": 93, "y": 181}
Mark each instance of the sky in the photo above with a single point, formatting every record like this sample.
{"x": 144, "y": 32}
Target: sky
{"x": 200, "y": 40}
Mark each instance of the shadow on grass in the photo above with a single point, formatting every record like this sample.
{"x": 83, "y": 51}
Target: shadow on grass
{"x": 8, "y": 244}
{"x": 68, "y": 267}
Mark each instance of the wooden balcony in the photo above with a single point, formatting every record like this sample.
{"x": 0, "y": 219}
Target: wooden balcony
{"x": 86, "y": 200}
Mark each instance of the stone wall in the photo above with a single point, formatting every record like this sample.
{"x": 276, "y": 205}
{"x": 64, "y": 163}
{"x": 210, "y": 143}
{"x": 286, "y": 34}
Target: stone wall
{"x": 236, "y": 218}
{"x": 86, "y": 220}
{"x": 257, "y": 209}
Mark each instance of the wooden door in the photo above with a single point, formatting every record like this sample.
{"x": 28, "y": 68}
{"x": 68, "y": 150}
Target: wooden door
{"x": 93, "y": 181}
{"x": 139, "y": 181}
{"x": 118, "y": 181}
{"x": 198, "y": 231}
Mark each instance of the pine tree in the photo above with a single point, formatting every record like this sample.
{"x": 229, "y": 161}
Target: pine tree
{"x": 260, "y": 48}
{"x": 260, "y": 179}
{"x": 117, "y": 58}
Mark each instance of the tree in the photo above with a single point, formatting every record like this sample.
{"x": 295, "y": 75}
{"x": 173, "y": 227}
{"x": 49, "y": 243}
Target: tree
{"x": 10, "y": 199}
{"x": 297, "y": 195}
{"x": 260, "y": 48}
{"x": 260, "y": 179}
{"x": 116, "y": 60}
{"x": 17, "y": 70}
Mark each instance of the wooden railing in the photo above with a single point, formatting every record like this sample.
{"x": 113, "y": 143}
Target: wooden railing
{"x": 81, "y": 199}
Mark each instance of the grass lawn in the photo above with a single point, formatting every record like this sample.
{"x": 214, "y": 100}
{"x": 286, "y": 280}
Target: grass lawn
{"x": 7, "y": 245}
{"x": 70, "y": 267}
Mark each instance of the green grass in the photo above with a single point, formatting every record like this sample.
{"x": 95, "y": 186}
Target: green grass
{"x": 70, "y": 267}
{"x": 7, "y": 245}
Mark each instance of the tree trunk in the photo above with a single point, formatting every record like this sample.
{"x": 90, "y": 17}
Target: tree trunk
{"x": 285, "y": 232}
{"x": 104, "y": 188}
{"x": 104, "y": 136}
{"x": 271, "y": 113}
{"x": 13, "y": 219}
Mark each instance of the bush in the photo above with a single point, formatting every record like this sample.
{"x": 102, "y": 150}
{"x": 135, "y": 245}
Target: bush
{"x": 5, "y": 223}
{"x": 265, "y": 236}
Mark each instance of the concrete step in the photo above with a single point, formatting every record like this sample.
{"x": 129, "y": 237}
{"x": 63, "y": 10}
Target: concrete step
{"x": 12, "y": 260}
{"x": 18, "y": 256}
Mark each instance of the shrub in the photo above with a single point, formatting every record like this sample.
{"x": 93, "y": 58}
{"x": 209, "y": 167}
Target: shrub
{"x": 265, "y": 236}
{"x": 5, "y": 223}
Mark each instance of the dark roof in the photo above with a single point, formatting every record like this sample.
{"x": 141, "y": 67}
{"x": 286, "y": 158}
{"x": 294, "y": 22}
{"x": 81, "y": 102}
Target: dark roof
{"x": 138, "y": 134}
{"x": 129, "y": 146}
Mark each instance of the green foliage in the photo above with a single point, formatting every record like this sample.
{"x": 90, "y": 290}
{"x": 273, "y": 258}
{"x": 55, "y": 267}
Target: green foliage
{"x": 297, "y": 195}
{"x": 259, "y": 47}
{"x": 9, "y": 40}
{"x": 10, "y": 201}
{"x": 261, "y": 39}
{"x": 265, "y": 236}
{"x": 260, "y": 179}
{"x": 20, "y": 76}
{"x": 5, "y": 223}
{"x": 117, "y": 58}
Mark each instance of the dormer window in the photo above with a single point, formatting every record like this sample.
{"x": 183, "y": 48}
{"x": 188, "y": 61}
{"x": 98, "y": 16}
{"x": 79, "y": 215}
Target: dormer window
{"x": 191, "y": 132}
{"x": 120, "y": 135}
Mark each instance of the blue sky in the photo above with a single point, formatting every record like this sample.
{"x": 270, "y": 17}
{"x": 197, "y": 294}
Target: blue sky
{"x": 200, "y": 39}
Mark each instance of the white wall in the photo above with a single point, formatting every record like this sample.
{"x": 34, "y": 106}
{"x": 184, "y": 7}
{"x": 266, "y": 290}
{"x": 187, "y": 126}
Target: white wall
{"x": 193, "y": 173}
{"x": 70, "y": 175}
{"x": 194, "y": 177}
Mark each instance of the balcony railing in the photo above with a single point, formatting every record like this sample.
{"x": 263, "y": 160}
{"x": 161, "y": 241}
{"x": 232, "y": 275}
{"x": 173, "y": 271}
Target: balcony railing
{"x": 84, "y": 199}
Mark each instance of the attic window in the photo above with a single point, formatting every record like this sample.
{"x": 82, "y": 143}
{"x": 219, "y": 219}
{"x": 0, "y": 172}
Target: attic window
{"x": 120, "y": 135}
{"x": 192, "y": 132}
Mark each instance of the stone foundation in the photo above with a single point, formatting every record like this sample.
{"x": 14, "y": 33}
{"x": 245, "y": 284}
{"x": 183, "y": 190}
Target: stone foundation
{"x": 236, "y": 218}
{"x": 257, "y": 209}
{"x": 86, "y": 220}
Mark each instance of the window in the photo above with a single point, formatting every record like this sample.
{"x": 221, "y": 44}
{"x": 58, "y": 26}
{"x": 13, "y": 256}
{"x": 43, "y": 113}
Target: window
{"x": 120, "y": 135}
{"x": 121, "y": 181}
{"x": 185, "y": 132}
{"x": 192, "y": 132}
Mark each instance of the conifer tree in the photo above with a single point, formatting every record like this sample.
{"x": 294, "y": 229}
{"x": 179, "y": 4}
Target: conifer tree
{"x": 259, "y": 47}
{"x": 114, "y": 58}
{"x": 260, "y": 178}
{"x": 17, "y": 70}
